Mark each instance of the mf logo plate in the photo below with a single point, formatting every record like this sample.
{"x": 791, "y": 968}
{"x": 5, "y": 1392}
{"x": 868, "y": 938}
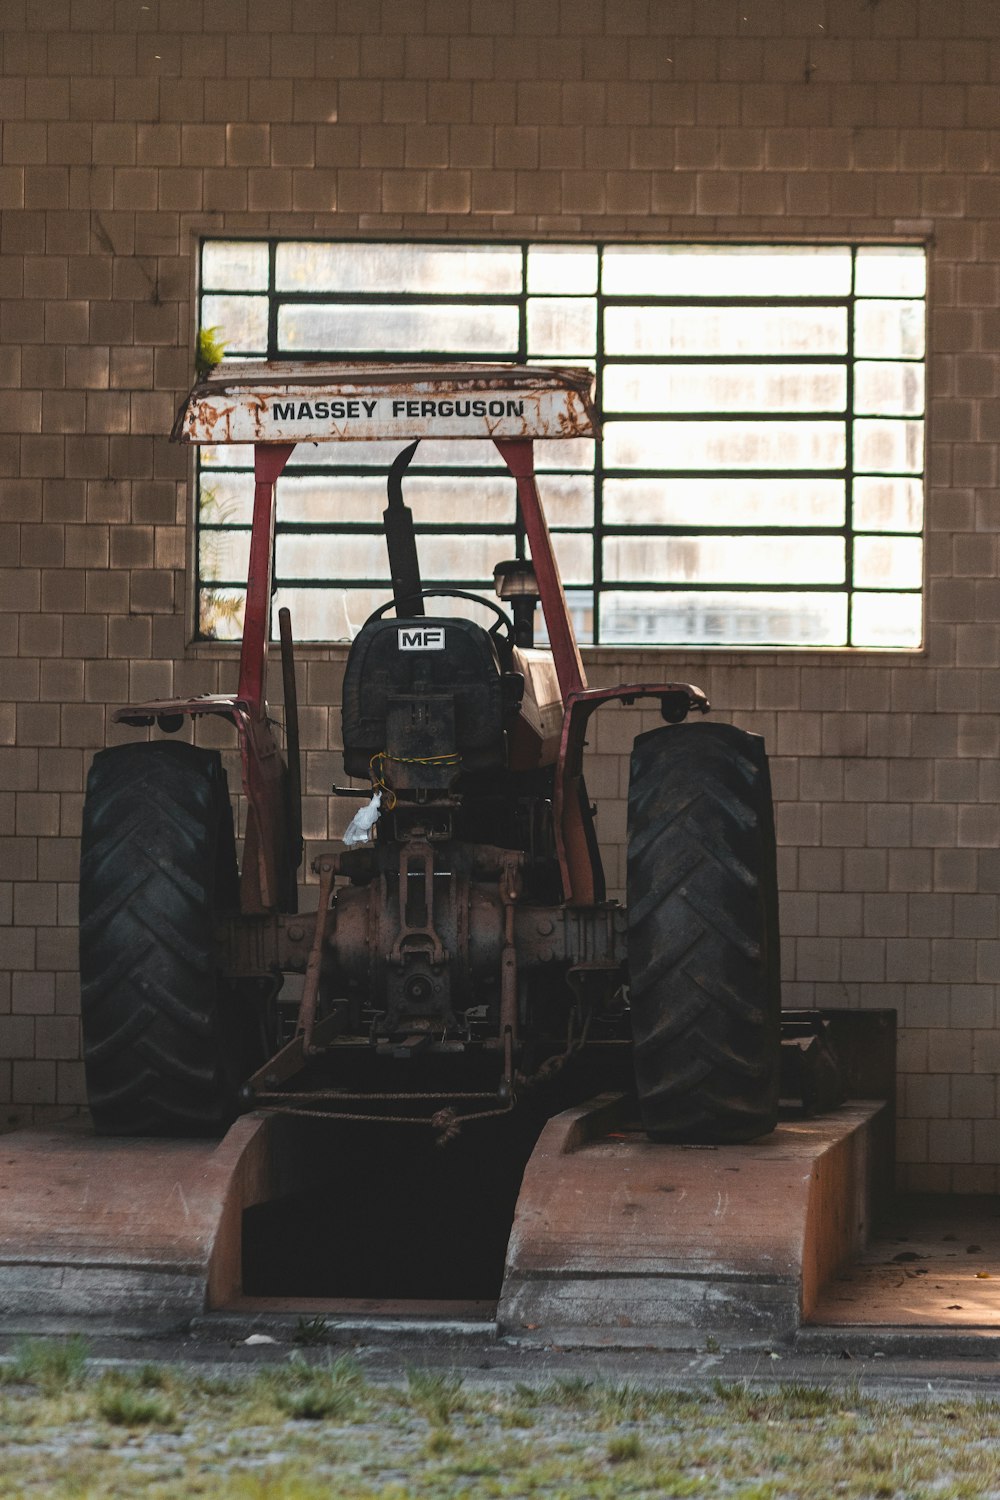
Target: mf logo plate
{"x": 421, "y": 638}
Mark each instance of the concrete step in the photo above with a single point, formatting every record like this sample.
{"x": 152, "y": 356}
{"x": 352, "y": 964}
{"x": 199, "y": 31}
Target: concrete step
{"x": 635, "y": 1241}
{"x": 145, "y": 1231}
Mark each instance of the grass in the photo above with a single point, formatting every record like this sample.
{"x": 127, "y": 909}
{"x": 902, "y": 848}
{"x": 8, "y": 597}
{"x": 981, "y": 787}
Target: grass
{"x": 310, "y": 1331}
{"x": 312, "y": 1393}
{"x": 314, "y": 1426}
{"x": 53, "y": 1365}
{"x": 623, "y": 1450}
{"x": 436, "y": 1394}
{"x": 131, "y": 1408}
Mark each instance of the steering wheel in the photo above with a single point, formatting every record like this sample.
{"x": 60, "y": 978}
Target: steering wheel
{"x": 503, "y": 618}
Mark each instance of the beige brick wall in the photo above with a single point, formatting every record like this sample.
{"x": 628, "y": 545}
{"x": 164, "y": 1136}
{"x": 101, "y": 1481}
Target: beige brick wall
{"x": 128, "y": 129}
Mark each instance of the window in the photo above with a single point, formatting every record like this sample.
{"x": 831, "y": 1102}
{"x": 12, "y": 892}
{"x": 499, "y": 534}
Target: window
{"x": 760, "y": 481}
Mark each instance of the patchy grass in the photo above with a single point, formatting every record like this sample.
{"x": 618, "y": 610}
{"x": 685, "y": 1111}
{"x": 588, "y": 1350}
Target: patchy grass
{"x": 624, "y": 1450}
{"x": 134, "y": 1408}
{"x": 53, "y": 1365}
{"x": 436, "y": 1394}
{"x": 314, "y": 1426}
{"x": 310, "y": 1331}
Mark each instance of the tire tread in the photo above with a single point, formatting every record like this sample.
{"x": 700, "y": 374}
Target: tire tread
{"x": 703, "y": 934}
{"x": 156, "y": 854}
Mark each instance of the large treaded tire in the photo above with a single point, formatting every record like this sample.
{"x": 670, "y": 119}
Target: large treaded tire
{"x": 166, "y": 1043}
{"x": 704, "y": 973}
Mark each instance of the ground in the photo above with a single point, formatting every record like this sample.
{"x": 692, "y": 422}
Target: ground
{"x": 300, "y": 1419}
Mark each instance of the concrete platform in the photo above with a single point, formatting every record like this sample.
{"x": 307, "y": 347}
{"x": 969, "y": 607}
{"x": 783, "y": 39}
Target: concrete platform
{"x": 614, "y": 1240}
{"x": 143, "y": 1231}
{"x": 934, "y": 1264}
{"x": 621, "y": 1241}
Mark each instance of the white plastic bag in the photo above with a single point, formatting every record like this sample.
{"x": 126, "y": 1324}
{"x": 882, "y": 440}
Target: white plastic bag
{"x": 360, "y": 826}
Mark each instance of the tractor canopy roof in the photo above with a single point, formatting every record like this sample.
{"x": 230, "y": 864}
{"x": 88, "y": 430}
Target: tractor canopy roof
{"x": 323, "y": 403}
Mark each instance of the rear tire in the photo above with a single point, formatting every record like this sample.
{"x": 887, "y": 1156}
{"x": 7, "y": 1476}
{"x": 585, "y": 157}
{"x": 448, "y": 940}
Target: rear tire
{"x": 166, "y": 1041}
{"x": 704, "y": 972}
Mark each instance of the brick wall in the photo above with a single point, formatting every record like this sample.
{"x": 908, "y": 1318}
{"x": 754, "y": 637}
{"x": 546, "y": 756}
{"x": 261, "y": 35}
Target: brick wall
{"x": 129, "y": 128}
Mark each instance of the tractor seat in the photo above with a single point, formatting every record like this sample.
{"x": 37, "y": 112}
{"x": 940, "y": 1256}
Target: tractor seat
{"x": 436, "y": 684}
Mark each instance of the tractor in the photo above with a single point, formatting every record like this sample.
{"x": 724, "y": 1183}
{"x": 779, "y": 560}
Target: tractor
{"x": 462, "y": 946}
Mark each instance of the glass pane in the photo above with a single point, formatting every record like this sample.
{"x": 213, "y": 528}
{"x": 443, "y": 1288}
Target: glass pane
{"x": 562, "y": 326}
{"x": 220, "y": 614}
{"x": 726, "y": 330}
{"x": 718, "y": 619}
{"x": 453, "y": 453}
{"x": 444, "y": 499}
{"x": 724, "y": 502}
{"x": 225, "y": 555}
{"x": 475, "y": 453}
{"x": 893, "y": 447}
{"x": 311, "y": 266}
{"x": 470, "y": 556}
{"x": 562, "y": 268}
{"x": 724, "y": 445}
{"x": 349, "y": 555}
{"x": 743, "y": 270}
{"x": 327, "y": 614}
{"x": 337, "y": 614}
{"x": 225, "y": 499}
{"x": 241, "y": 322}
{"x": 886, "y": 620}
{"x": 575, "y": 556}
{"x": 581, "y": 611}
{"x": 894, "y": 330}
{"x": 466, "y": 453}
{"x": 234, "y": 266}
{"x": 895, "y": 390}
{"x": 226, "y": 455}
{"x": 726, "y": 387}
{"x": 891, "y": 271}
{"x": 324, "y": 499}
{"x": 888, "y": 562}
{"x": 888, "y": 504}
{"x": 568, "y": 499}
{"x": 385, "y": 328}
{"x": 568, "y": 453}
{"x": 343, "y": 556}
{"x": 724, "y": 559}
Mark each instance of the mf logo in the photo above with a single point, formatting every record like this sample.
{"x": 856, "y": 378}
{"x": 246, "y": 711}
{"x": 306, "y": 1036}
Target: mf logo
{"x": 421, "y": 638}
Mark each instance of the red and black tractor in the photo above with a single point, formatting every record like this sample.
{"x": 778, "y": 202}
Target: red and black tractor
{"x": 463, "y": 945}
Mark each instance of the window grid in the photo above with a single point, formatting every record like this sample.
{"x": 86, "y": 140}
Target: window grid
{"x": 588, "y": 595}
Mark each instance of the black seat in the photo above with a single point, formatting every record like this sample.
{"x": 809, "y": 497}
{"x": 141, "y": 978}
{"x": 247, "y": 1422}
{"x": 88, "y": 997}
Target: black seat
{"x": 446, "y": 669}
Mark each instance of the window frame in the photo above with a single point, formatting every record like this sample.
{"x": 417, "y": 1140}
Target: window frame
{"x": 602, "y": 530}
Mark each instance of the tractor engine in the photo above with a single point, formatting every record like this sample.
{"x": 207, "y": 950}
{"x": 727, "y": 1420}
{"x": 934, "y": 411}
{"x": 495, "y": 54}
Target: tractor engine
{"x": 432, "y": 938}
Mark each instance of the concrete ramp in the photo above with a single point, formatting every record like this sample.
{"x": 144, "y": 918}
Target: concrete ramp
{"x": 145, "y": 1232}
{"x": 618, "y": 1240}
{"x": 614, "y": 1240}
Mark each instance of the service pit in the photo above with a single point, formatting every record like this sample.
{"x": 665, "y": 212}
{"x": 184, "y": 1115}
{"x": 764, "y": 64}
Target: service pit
{"x": 146, "y": 1236}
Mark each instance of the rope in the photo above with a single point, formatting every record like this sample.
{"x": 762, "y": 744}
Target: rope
{"x": 446, "y": 1122}
{"x": 335, "y": 1095}
{"x": 377, "y": 767}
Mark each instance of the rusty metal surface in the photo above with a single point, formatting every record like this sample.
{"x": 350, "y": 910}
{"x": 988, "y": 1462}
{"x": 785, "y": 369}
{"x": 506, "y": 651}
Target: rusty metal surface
{"x": 258, "y": 947}
{"x": 293, "y": 756}
{"x": 291, "y": 403}
{"x": 310, "y": 991}
{"x": 140, "y": 715}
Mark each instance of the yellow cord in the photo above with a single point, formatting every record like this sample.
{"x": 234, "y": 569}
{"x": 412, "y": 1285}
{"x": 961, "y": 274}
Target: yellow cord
{"x": 378, "y": 770}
